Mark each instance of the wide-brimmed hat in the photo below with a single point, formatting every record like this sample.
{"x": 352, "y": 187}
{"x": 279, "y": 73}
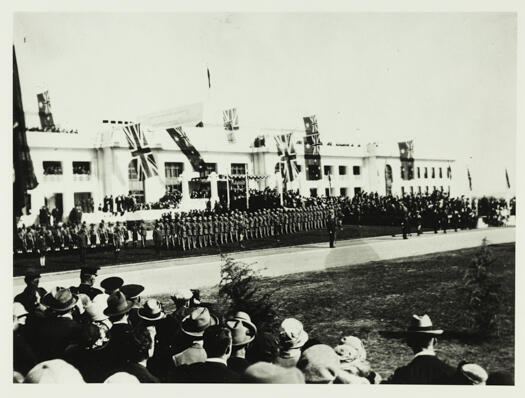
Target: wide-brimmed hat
{"x": 54, "y": 371}
{"x": 151, "y": 311}
{"x": 117, "y": 304}
{"x": 269, "y": 373}
{"x": 181, "y": 294}
{"x": 59, "y": 299}
{"x": 198, "y": 321}
{"x": 95, "y": 311}
{"x": 132, "y": 291}
{"x": 90, "y": 270}
{"x": 112, "y": 283}
{"x": 319, "y": 364}
{"x": 292, "y": 334}
{"x": 32, "y": 273}
{"x": 422, "y": 324}
{"x": 356, "y": 344}
{"x": 242, "y": 328}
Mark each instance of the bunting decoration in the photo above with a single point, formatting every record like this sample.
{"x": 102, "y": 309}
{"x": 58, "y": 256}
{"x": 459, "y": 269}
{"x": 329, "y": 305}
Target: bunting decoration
{"x": 140, "y": 150}
{"x": 25, "y": 178}
{"x": 286, "y": 151}
{"x": 312, "y": 144}
{"x": 181, "y": 139}
{"x": 44, "y": 111}
{"x": 406, "y": 156}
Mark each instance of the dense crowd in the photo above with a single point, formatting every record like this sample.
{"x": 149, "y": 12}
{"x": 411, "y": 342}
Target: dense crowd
{"x": 124, "y": 204}
{"x": 84, "y": 334}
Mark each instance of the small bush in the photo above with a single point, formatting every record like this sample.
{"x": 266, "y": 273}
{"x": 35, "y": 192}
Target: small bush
{"x": 483, "y": 294}
{"x": 240, "y": 289}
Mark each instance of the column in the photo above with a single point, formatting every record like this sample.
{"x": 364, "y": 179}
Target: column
{"x": 213, "y": 188}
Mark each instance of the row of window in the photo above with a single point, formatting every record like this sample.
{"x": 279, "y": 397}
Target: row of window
{"x": 55, "y": 168}
{"x": 412, "y": 190}
{"x": 329, "y": 170}
{"x": 342, "y": 191}
{"x": 432, "y": 172}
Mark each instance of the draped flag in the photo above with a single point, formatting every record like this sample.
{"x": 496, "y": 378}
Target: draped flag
{"x": 286, "y": 151}
{"x": 469, "y": 179}
{"x": 231, "y": 119}
{"x": 181, "y": 139}
{"x": 406, "y": 155}
{"x": 140, "y": 150}
{"x": 44, "y": 111}
{"x": 507, "y": 178}
{"x": 25, "y": 178}
{"x": 312, "y": 144}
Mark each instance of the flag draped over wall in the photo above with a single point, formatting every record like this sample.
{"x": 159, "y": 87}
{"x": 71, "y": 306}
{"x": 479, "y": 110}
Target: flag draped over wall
{"x": 140, "y": 150}
{"x": 406, "y": 155}
{"x": 312, "y": 144}
{"x": 25, "y": 178}
{"x": 507, "y": 178}
{"x": 181, "y": 139}
{"x": 286, "y": 151}
{"x": 44, "y": 111}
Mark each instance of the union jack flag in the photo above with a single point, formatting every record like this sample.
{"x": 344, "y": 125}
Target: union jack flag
{"x": 140, "y": 150}
{"x": 231, "y": 119}
{"x": 313, "y": 142}
{"x": 286, "y": 151}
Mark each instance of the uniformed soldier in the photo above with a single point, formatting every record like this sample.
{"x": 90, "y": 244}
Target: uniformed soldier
{"x": 173, "y": 233}
{"x": 419, "y": 223}
{"x": 41, "y": 246}
{"x": 92, "y": 236}
{"x": 332, "y": 224}
{"x": 88, "y": 276}
{"x": 132, "y": 293}
{"x": 117, "y": 239}
{"x": 124, "y": 232}
{"x": 404, "y": 220}
{"x": 232, "y": 227}
{"x": 101, "y": 234}
{"x": 82, "y": 241}
{"x": 157, "y": 239}
{"x": 200, "y": 232}
{"x": 216, "y": 230}
{"x": 50, "y": 243}
{"x": 143, "y": 234}
{"x": 134, "y": 235}
{"x": 30, "y": 239}
{"x": 110, "y": 235}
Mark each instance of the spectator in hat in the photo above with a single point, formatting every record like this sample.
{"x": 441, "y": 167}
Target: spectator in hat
{"x": 118, "y": 307}
{"x": 132, "y": 293}
{"x": 50, "y": 335}
{"x": 292, "y": 338}
{"x": 87, "y": 354}
{"x": 243, "y": 333}
{"x": 56, "y": 371}
{"x": 218, "y": 346}
{"x": 319, "y": 364}
{"x": 268, "y": 373}
{"x": 352, "y": 355}
{"x": 88, "y": 276}
{"x": 264, "y": 348}
{"x": 192, "y": 328}
{"x": 425, "y": 368}
{"x": 32, "y": 294}
{"x": 23, "y": 356}
{"x": 470, "y": 374}
{"x": 111, "y": 284}
{"x": 139, "y": 348}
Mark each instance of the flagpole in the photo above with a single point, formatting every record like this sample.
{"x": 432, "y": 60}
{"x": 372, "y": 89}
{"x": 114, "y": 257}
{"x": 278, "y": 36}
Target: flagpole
{"x": 247, "y": 193}
{"x": 228, "y": 192}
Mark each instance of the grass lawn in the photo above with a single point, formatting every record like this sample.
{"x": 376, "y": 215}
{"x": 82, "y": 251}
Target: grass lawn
{"x": 375, "y": 301}
{"x": 67, "y": 261}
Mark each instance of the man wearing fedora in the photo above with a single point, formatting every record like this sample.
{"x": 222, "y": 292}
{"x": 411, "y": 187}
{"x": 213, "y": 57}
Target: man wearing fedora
{"x": 50, "y": 335}
{"x": 425, "y": 368}
{"x": 243, "y": 333}
{"x": 132, "y": 292}
{"x": 88, "y": 276}
{"x": 218, "y": 347}
{"x": 118, "y": 307}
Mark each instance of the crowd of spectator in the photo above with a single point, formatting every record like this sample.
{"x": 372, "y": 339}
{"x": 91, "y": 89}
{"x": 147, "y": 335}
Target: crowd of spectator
{"x": 85, "y": 334}
{"x": 53, "y": 129}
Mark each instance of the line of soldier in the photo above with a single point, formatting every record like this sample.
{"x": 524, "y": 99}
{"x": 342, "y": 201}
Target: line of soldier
{"x": 201, "y": 229}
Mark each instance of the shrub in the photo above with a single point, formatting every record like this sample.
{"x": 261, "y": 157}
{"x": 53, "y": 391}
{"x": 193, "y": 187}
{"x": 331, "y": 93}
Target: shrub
{"x": 240, "y": 290}
{"x": 483, "y": 294}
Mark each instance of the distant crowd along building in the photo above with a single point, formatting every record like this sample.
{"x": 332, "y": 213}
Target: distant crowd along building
{"x": 210, "y": 162}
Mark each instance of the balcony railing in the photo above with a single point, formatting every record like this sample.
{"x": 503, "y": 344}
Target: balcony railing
{"x": 81, "y": 177}
{"x": 53, "y": 177}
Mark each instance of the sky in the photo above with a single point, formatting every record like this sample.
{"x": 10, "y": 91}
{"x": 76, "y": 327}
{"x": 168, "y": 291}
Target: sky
{"x": 447, "y": 81}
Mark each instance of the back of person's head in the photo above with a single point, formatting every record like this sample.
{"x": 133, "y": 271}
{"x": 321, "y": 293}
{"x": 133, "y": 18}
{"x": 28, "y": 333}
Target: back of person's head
{"x": 217, "y": 341}
{"x": 54, "y": 371}
{"x": 319, "y": 364}
{"x": 265, "y": 348}
{"x": 419, "y": 341}
{"x": 139, "y": 343}
{"x": 269, "y": 373}
{"x": 89, "y": 335}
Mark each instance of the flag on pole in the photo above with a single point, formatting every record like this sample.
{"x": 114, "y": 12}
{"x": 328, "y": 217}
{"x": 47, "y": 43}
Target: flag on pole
{"x": 181, "y": 139}
{"x": 507, "y": 178}
{"x": 312, "y": 144}
{"x": 209, "y": 79}
{"x": 286, "y": 151}
{"x": 140, "y": 150}
{"x": 406, "y": 156}
{"x": 44, "y": 111}
{"x": 25, "y": 178}
{"x": 231, "y": 119}
{"x": 469, "y": 179}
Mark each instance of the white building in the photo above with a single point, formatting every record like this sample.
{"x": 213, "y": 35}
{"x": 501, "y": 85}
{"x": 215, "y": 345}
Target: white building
{"x": 71, "y": 168}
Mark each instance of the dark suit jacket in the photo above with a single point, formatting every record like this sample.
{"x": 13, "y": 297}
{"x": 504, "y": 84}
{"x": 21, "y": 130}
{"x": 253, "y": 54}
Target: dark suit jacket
{"x": 27, "y": 297}
{"x": 424, "y": 369}
{"x": 49, "y": 336}
{"x": 140, "y": 372}
{"x": 90, "y": 363}
{"x": 23, "y": 356}
{"x": 238, "y": 365}
{"x": 205, "y": 372}
{"x": 115, "y": 353}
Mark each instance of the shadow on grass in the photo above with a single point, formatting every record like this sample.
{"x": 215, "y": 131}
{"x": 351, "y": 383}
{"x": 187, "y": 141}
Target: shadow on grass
{"x": 462, "y": 337}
